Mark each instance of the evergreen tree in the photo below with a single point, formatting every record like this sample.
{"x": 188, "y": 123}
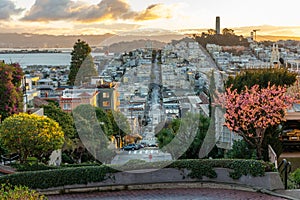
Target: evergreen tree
{"x": 81, "y": 64}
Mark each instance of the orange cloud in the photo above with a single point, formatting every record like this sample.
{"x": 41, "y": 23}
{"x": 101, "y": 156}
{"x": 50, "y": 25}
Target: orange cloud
{"x": 54, "y": 10}
{"x": 153, "y": 12}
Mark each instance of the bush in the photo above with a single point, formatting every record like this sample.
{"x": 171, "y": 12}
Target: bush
{"x": 88, "y": 174}
{"x": 31, "y": 167}
{"x": 295, "y": 179}
{"x": 241, "y": 150}
{"x": 8, "y": 192}
{"x": 296, "y": 176}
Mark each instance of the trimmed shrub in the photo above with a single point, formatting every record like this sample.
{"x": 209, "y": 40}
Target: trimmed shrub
{"x": 88, "y": 174}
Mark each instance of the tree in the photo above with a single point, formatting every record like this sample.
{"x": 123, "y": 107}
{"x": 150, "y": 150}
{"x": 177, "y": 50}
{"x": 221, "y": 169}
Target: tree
{"x": 120, "y": 125}
{"x": 261, "y": 77}
{"x": 11, "y": 94}
{"x": 95, "y": 115}
{"x": 227, "y": 31}
{"x": 252, "y": 111}
{"x": 264, "y": 77}
{"x": 105, "y": 121}
{"x": 81, "y": 59}
{"x": 211, "y": 31}
{"x": 65, "y": 120}
{"x": 193, "y": 151}
{"x": 86, "y": 71}
{"x": 171, "y": 130}
{"x": 31, "y": 135}
{"x": 92, "y": 131}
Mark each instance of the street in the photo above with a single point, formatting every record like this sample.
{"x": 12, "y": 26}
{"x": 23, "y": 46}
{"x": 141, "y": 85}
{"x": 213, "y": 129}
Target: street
{"x": 142, "y": 154}
{"x": 169, "y": 194}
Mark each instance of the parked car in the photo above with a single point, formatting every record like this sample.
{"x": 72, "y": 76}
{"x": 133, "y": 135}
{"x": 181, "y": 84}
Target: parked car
{"x": 130, "y": 147}
{"x": 140, "y": 146}
{"x": 152, "y": 145}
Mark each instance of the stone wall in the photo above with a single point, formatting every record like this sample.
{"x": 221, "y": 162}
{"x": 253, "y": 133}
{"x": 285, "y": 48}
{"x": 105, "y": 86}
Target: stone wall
{"x": 124, "y": 180}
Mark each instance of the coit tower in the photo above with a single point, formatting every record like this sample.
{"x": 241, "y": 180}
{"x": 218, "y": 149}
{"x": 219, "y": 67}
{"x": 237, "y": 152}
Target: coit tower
{"x": 217, "y": 25}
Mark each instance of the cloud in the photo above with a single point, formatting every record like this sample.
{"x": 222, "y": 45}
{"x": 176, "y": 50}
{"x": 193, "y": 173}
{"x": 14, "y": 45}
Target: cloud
{"x": 8, "y": 8}
{"x": 154, "y": 11}
{"x": 52, "y": 10}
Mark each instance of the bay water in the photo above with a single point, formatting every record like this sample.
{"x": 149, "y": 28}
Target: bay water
{"x": 49, "y": 59}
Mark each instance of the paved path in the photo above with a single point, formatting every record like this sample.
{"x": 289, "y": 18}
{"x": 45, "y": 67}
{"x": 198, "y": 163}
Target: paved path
{"x": 168, "y": 194}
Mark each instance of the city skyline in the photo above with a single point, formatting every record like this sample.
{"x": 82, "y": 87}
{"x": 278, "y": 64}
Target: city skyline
{"x": 67, "y": 17}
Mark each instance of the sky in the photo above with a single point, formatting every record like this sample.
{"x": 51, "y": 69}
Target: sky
{"x": 67, "y": 17}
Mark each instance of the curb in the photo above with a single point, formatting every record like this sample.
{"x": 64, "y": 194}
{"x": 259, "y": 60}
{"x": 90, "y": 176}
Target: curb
{"x": 152, "y": 186}
{"x": 264, "y": 191}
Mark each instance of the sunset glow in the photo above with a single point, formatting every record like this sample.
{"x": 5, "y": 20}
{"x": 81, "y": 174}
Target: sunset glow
{"x": 114, "y": 16}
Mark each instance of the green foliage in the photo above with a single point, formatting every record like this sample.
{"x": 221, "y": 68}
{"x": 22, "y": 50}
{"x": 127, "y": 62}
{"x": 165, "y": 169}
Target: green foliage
{"x": 272, "y": 138}
{"x": 94, "y": 128}
{"x": 65, "y": 120}
{"x": 59, "y": 177}
{"x": 105, "y": 121}
{"x": 31, "y": 135}
{"x": 241, "y": 150}
{"x": 228, "y": 38}
{"x": 193, "y": 151}
{"x": 252, "y": 167}
{"x": 86, "y": 71}
{"x": 295, "y": 178}
{"x": 79, "y": 53}
{"x": 11, "y": 94}
{"x": 119, "y": 123}
{"x": 8, "y": 192}
{"x": 198, "y": 168}
{"x": 167, "y": 134}
{"x": 22, "y": 167}
{"x": 70, "y": 175}
{"x": 262, "y": 77}
{"x": 3, "y": 150}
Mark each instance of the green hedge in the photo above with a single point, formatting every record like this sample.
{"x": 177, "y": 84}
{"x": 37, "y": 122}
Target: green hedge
{"x": 88, "y": 174}
{"x": 41, "y": 166}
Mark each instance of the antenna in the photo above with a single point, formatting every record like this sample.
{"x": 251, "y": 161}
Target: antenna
{"x": 254, "y": 31}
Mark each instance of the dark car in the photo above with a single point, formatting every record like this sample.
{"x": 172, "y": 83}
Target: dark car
{"x": 140, "y": 146}
{"x": 130, "y": 147}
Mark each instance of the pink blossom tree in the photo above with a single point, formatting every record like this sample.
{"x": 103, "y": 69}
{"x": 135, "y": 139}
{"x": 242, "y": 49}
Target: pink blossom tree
{"x": 11, "y": 95}
{"x": 250, "y": 112}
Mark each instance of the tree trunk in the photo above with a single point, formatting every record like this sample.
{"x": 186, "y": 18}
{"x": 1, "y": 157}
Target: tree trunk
{"x": 258, "y": 152}
{"x": 260, "y": 137}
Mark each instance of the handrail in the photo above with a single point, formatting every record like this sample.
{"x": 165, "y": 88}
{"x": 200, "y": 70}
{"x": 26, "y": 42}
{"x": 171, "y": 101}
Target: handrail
{"x": 287, "y": 167}
{"x": 8, "y": 160}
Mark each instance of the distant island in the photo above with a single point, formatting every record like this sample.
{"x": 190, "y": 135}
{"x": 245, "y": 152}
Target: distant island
{"x": 24, "y": 51}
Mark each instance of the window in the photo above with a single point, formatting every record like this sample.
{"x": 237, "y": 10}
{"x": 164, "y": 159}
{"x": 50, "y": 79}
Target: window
{"x": 106, "y": 104}
{"x": 105, "y": 95}
{"x": 67, "y": 106}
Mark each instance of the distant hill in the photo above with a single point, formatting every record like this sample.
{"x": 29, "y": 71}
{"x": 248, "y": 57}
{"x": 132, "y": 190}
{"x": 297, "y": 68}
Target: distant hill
{"x": 127, "y": 46}
{"x": 15, "y": 40}
{"x": 275, "y": 38}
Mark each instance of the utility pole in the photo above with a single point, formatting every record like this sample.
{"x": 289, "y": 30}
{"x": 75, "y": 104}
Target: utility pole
{"x": 254, "y": 31}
